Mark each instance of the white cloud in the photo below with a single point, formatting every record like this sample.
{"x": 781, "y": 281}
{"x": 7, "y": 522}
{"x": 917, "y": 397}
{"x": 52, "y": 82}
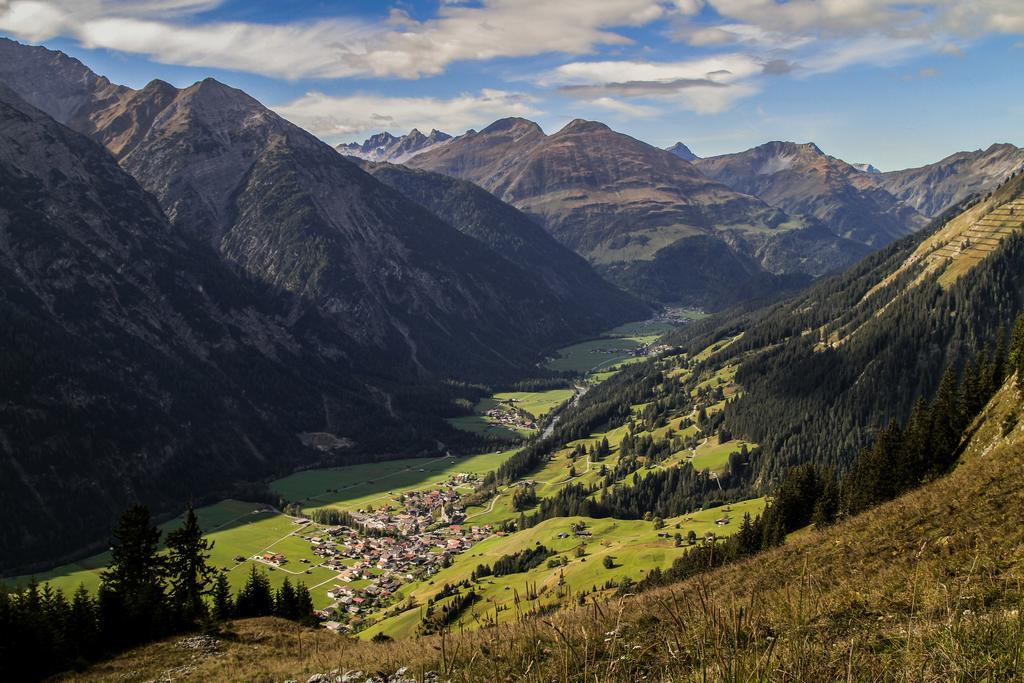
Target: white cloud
{"x": 639, "y": 111}
{"x": 870, "y": 49}
{"x": 333, "y": 47}
{"x": 349, "y": 117}
{"x": 722, "y": 68}
{"x": 706, "y": 85}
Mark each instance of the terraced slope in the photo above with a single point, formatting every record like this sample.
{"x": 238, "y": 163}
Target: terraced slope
{"x": 964, "y": 247}
{"x": 966, "y": 239}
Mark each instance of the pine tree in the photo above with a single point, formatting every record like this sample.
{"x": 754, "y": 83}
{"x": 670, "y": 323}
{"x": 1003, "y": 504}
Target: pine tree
{"x": 83, "y": 626}
{"x": 223, "y": 606}
{"x": 947, "y": 422}
{"x": 303, "y": 605}
{"x": 284, "y": 601}
{"x": 255, "y": 599}
{"x": 827, "y": 507}
{"x": 132, "y": 607}
{"x": 188, "y": 568}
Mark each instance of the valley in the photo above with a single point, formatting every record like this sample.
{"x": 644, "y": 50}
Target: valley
{"x": 293, "y": 391}
{"x": 375, "y": 542}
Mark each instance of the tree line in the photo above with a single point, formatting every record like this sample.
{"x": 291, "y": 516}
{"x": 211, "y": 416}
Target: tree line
{"x": 145, "y": 594}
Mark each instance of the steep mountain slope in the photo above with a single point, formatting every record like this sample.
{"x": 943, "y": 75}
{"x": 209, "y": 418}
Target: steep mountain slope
{"x": 397, "y": 150}
{"x": 55, "y": 83}
{"x": 925, "y": 587}
{"x": 933, "y": 188}
{"x": 510, "y": 233}
{"x": 804, "y": 181}
{"x": 824, "y": 371}
{"x": 133, "y": 363}
{"x": 294, "y": 213}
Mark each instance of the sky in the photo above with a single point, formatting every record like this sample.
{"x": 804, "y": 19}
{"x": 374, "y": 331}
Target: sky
{"x": 894, "y": 83}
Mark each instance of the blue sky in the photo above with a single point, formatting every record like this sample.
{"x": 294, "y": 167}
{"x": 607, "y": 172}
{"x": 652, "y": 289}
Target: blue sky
{"x": 896, "y": 83}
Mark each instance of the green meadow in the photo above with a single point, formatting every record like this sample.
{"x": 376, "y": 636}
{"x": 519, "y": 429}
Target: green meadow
{"x": 612, "y": 348}
{"x": 356, "y": 486}
{"x": 536, "y": 403}
{"x": 237, "y": 529}
{"x": 634, "y": 545}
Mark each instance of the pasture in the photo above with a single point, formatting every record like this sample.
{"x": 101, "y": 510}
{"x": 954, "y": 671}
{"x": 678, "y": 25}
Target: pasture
{"x": 613, "y": 347}
{"x": 236, "y": 528}
{"x": 356, "y": 486}
{"x": 634, "y": 545}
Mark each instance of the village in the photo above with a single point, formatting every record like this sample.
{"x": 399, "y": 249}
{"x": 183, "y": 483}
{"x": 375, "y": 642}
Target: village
{"x": 381, "y": 549}
{"x": 506, "y": 413}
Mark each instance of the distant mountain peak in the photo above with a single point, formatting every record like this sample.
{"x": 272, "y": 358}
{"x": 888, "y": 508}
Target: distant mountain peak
{"x": 511, "y": 123}
{"x": 866, "y": 168}
{"x": 584, "y": 126}
{"x": 386, "y": 147}
{"x": 682, "y": 151}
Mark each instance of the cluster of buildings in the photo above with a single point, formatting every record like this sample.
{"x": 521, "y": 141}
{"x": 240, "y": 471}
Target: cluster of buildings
{"x": 508, "y": 415}
{"x": 390, "y": 546}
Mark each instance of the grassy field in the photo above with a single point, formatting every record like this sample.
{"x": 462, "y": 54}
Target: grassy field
{"x": 356, "y": 486}
{"x": 714, "y": 456}
{"x": 236, "y": 528}
{"x": 485, "y": 426}
{"x": 611, "y": 348}
{"x": 634, "y": 546}
{"x": 536, "y": 403}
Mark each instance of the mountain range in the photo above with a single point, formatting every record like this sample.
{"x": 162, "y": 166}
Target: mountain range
{"x": 933, "y": 188}
{"x": 288, "y": 210}
{"x": 776, "y": 215}
{"x": 620, "y": 203}
{"x": 804, "y": 181}
{"x": 386, "y": 147}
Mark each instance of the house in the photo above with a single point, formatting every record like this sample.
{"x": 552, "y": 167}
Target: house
{"x": 722, "y": 521}
{"x": 332, "y": 626}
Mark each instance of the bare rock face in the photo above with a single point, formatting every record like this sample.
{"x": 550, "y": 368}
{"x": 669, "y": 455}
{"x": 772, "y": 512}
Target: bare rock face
{"x": 933, "y": 188}
{"x": 51, "y": 81}
{"x": 804, "y": 181}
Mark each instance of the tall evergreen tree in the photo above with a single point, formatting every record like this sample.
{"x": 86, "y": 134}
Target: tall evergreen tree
{"x": 132, "y": 607}
{"x": 188, "y": 568}
{"x": 223, "y": 605}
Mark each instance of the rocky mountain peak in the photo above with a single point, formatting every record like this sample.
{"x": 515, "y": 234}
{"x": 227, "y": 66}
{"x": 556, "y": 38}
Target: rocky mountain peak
{"x": 682, "y": 151}
{"x": 512, "y": 124}
{"x": 583, "y": 126}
